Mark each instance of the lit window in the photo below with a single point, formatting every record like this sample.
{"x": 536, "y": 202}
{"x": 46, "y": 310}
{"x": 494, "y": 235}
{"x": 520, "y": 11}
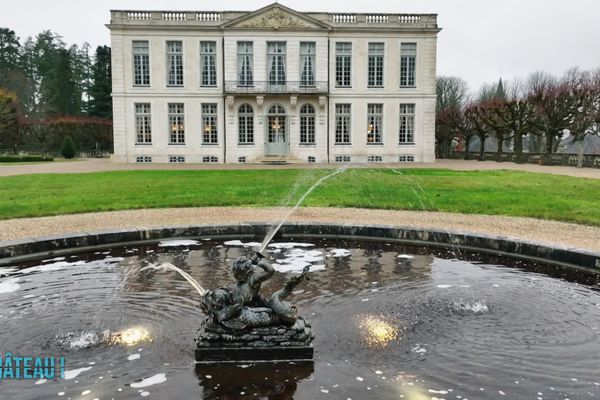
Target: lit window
{"x": 176, "y": 124}
{"x": 374, "y": 123}
{"x": 209, "y": 124}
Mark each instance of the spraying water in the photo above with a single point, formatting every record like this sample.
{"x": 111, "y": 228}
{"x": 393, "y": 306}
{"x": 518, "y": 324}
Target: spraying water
{"x": 170, "y": 267}
{"x": 273, "y": 230}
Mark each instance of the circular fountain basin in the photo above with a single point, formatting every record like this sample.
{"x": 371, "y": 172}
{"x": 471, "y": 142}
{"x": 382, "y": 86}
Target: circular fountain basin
{"x": 392, "y": 321}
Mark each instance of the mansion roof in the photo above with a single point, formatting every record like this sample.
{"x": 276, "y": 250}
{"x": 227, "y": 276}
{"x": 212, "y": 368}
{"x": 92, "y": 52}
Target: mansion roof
{"x": 272, "y": 17}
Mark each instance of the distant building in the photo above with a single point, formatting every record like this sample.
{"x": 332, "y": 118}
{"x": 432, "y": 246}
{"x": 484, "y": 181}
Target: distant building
{"x": 273, "y": 85}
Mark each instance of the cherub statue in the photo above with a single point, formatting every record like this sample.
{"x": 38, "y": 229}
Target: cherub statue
{"x": 241, "y": 306}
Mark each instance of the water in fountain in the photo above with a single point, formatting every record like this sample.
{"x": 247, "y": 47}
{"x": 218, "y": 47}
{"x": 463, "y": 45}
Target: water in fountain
{"x": 274, "y": 228}
{"x": 170, "y": 267}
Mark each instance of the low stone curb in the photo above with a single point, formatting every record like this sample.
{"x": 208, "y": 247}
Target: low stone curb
{"x": 21, "y": 250}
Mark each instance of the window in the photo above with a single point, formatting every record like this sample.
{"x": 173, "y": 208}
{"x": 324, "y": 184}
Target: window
{"x": 176, "y": 159}
{"x": 375, "y": 77}
{"x": 276, "y": 62}
{"x": 143, "y": 123}
{"x": 406, "y": 158}
{"x": 242, "y": 159}
{"x": 210, "y": 159}
{"x": 342, "y": 159}
{"x": 407, "y": 124}
{"x": 408, "y": 64}
{"x": 143, "y": 159}
{"x": 174, "y": 63}
{"x": 374, "y": 123}
{"x": 141, "y": 63}
{"x": 209, "y": 124}
{"x": 277, "y": 126}
{"x": 312, "y": 159}
{"x": 208, "y": 63}
{"x": 246, "y": 124}
{"x": 307, "y": 63}
{"x": 176, "y": 124}
{"x": 343, "y": 62}
{"x": 245, "y": 58}
{"x": 342, "y": 124}
{"x": 307, "y": 124}
{"x": 374, "y": 159}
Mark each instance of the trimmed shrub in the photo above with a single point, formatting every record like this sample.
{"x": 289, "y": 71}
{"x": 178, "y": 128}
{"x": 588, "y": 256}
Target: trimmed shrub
{"x": 25, "y": 158}
{"x": 68, "y": 148}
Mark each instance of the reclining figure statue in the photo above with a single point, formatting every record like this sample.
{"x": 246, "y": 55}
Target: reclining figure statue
{"x": 241, "y": 306}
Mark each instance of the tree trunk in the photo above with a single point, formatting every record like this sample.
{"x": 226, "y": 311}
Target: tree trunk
{"x": 518, "y": 148}
{"x": 580, "y": 154}
{"x": 467, "y": 144}
{"x": 481, "y": 147}
{"x": 500, "y": 141}
{"x": 549, "y": 143}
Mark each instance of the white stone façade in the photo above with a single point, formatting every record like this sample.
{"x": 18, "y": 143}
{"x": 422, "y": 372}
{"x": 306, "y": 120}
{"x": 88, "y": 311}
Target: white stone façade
{"x": 273, "y": 85}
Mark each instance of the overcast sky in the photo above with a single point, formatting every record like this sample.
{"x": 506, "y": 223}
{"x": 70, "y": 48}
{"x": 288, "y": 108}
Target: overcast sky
{"x": 481, "y": 40}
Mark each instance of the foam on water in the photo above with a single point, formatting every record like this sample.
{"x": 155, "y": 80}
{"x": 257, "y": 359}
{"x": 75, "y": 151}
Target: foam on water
{"x": 134, "y": 357}
{"x": 9, "y": 286}
{"x": 74, "y": 373}
{"x": 55, "y": 266}
{"x": 338, "y": 253}
{"x": 474, "y": 306}
{"x": 177, "y": 243}
{"x": 296, "y": 259}
{"x": 241, "y": 244}
{"x": 153, "y": 380}
{"x": 289, "y": 245}
{"x": 84, "y": 340}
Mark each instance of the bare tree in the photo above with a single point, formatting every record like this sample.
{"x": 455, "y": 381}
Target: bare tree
{"x": 452, "y": 95}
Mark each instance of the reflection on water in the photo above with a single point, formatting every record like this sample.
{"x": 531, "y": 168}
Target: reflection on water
{"x": 268, "y": 381}
{"x": 376, "y": 331}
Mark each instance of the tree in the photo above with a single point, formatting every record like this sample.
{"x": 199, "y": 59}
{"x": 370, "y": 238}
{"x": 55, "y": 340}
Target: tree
{"x": 9, "y": 50}
{"x": 584, "y": 93}
{"x": 452, "y": 94}
{"x": 101, "y": 88}
{"x": 68, "y": 148}
{"x": 551, "y": 103}
{"x": 9, "y": 128}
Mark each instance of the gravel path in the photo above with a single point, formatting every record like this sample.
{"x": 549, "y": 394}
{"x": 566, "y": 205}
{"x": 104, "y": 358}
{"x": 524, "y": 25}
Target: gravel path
{"x": 98, "y": 165}
{"x": 540, "y": 231}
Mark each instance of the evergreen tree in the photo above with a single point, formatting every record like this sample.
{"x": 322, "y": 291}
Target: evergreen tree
{"x": 101, "y": 88}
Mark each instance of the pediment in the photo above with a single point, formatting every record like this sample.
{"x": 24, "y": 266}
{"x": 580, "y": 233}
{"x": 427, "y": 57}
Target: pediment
{"x": 276, "y": 16}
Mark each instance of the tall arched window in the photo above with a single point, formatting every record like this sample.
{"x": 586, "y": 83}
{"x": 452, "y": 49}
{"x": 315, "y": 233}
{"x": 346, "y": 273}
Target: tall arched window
{"x": 307, "y": 124}
{"x": 245, "y": 124}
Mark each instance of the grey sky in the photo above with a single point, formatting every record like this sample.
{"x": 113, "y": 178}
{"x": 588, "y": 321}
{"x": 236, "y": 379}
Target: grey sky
{"x": 481, "y": 40}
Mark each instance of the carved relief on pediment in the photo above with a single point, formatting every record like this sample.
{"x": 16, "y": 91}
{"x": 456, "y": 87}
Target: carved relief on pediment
{"x": 276, "y": 19}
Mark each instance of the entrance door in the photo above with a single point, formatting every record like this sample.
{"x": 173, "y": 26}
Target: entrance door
{"x": 278, "y": 143}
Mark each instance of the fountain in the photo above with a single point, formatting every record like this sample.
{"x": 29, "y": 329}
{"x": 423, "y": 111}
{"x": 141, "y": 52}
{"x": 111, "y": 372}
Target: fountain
{"x": 399, "y": 314}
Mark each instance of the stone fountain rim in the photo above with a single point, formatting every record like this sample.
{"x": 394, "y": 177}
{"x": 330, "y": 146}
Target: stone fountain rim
{"x": 56, "y": 245}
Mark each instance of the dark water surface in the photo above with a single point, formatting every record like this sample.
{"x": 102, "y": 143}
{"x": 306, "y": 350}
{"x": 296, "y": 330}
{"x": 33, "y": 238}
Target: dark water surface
{"x": 391, "y": 322}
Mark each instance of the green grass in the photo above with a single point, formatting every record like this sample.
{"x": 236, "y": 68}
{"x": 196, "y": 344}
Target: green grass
{"x": 473, "y": 192}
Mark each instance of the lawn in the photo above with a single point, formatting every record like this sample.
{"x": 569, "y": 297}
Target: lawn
{"x": 472, "y": 192}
